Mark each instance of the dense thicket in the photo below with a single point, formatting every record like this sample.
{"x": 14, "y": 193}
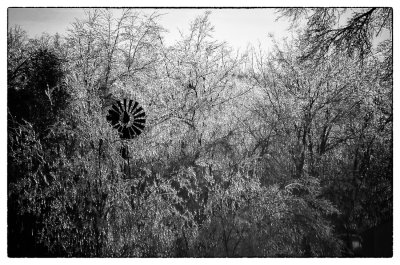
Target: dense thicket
{"x": 252, "y": 154}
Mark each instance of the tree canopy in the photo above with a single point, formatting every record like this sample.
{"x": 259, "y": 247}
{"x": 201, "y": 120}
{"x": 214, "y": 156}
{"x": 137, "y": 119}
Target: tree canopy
{"x": 286, "y": 153}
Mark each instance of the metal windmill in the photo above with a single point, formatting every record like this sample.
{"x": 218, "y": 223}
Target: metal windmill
{"x": 129, "y": 119}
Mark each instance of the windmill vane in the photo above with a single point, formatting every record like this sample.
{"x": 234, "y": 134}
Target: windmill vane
{"x": 127, "y": 117}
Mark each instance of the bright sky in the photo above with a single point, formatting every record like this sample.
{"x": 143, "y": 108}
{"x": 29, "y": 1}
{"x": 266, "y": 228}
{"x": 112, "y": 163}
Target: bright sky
{"x": 238, "y": 27}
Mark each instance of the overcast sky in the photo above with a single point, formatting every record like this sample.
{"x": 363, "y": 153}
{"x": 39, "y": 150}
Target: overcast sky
{"x": 238, "y": 27}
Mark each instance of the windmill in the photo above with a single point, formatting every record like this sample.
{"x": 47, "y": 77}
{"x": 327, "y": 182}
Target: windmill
{"x": 129, "y": 119}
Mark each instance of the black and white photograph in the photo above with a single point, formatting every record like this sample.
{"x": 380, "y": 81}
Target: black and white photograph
{"x": 199, "y": 132}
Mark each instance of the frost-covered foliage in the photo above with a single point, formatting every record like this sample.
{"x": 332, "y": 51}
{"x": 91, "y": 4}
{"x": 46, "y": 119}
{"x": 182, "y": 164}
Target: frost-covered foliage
{"x": 217, "y": 172}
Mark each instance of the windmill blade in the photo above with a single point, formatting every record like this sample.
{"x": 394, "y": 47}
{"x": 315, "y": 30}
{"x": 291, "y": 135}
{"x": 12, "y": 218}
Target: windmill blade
{"x": 131, "y": 132}
{"x": 115, "y": 108}
{"x": 120, "y": 106}
{"x": 126, "y": 134}
{"x": 137, "y": 111}
{"x": 143, "y": 121}
{"x": 138, "y": 125}
{"x": 137, "y": 131}
{"x": 113, "y": 116}
{"x": 130, "y": 105}
{"x": 134, "y": 107}
{"x": 113, "y": 112}
{"x": 140, "y": 115}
